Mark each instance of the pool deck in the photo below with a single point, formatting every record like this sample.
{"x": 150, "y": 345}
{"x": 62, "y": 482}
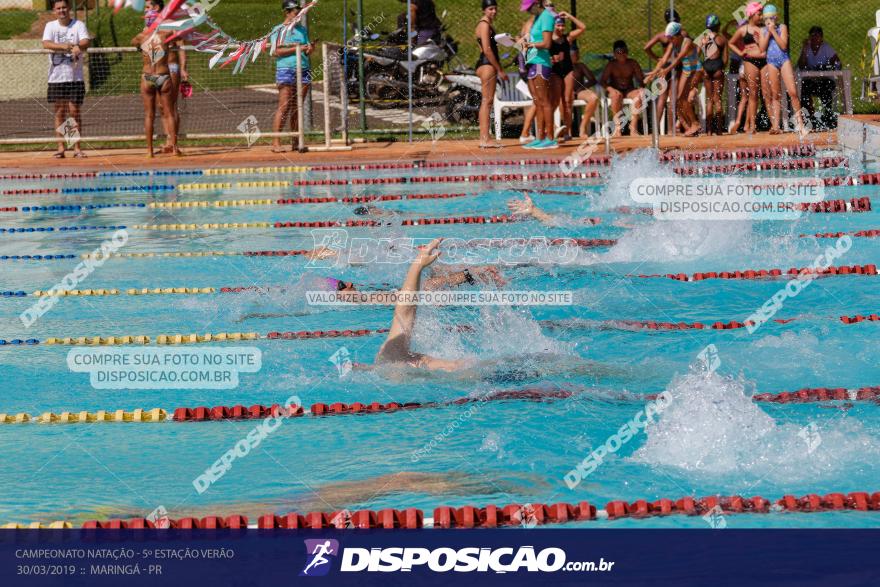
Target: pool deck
{"x": 201, "y": 157}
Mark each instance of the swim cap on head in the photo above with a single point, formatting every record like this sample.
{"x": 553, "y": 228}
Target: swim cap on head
{"x": 150, "y": 17}
{"x": 671, "y": 16}
{"x": 332, "y": 284}
{"x": 712, "y": 21}
{"x": 770, "y": 10}
{"x": 289, "y": 4}
{"x": 361, "y": 211}
{"x": 753, "y": 8}
{"x": 559, "y": 20}
{"x": 489, "y": 4}
{"x": 673, "y": 29}
{"x": 526, "y": 4}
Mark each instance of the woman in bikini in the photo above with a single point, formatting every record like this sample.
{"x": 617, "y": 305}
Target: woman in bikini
{"x": 156, "y": 78}
{"x": 779, "y": 71}
{"x": 561, "y": 78}
{"x": 488, "y": 68}
{"x": 754, "y": 58}
{"x": 713, "y": 47}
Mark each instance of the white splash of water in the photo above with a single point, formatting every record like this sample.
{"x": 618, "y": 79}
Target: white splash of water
{"x": 713, "y": 428}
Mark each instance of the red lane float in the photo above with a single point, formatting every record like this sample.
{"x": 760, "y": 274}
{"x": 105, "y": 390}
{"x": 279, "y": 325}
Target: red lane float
{"x": 872, "y": 233}
{"x": 869, "y": 269}
{"x": 448, "y": 178}
{"x": 26, "y": 192}
{"x": 595, "y": 159}
{"x": 409, "y": 222}
{"x": 9, "y": 209}
{"x": 50, "y": 175}
{"x": 794, "y": 164}
{"x": 753, "y": 153}
{"x": 820, "y": 394}
{"x": 368, "y": 198}
{"x": 528, "y": 515}
{"x": 859, "y": 318}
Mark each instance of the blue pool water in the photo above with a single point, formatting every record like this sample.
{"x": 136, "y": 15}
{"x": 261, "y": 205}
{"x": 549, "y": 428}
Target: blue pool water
{"x": 711, "y": 440}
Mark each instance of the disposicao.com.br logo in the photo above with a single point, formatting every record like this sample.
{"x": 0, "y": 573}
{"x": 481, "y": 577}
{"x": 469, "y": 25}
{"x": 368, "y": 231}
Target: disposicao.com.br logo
{"x": 443, "y": 560}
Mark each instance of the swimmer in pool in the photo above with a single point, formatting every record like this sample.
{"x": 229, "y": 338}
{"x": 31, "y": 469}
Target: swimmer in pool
{"x": 348, "y": 292}
{"x": 338, "y": 495}
{"x": 397, "y": 347}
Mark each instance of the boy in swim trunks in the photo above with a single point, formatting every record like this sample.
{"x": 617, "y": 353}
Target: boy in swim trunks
{"x": 156, "y": 77}
{"x": 621, "y": 79}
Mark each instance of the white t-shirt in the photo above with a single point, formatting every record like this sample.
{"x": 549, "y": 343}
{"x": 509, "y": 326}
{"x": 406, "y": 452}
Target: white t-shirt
{"x": 822, "y": 58}
{"x": 63, "y": 68}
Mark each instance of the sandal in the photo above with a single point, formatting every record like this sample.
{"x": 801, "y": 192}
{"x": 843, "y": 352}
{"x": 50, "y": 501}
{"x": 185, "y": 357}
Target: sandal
{"x": 79, "y": 155}
{"x": 58, "y": 155}
{"x": 491, "y": 145}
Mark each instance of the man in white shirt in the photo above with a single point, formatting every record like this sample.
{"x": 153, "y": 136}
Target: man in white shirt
{"x": 817, "y": 55}
{"x": 68, "y": 40}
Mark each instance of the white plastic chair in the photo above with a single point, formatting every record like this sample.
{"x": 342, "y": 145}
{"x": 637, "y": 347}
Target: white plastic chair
{"x": 508, "y": 97}
{"x": 557, "y": 116}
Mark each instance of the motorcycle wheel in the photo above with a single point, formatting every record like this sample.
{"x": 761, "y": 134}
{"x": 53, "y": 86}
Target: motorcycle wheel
{"x": 463, "y": 106}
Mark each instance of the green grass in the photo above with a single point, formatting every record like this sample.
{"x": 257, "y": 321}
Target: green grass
{"x": 845, "y": 30}
{"x": 15, "y": 21}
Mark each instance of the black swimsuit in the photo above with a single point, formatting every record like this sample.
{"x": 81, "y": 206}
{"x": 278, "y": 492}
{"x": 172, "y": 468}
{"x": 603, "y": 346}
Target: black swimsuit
{"x": 716, "y": 64}
{"x": 493, "y": 46}
{"x": 564, "y": 67}
{"x": 759, "y": 62}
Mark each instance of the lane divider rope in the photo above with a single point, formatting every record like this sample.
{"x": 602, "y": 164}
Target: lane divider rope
{"x": 870, "y": 269}
{"x": 320, "y": 409}
{"x": 514, "y": 514}
{"x": 793, "y": 164}
{"x": 57, "y": 228}
{"x": 390, "y": 180}
{"x": 734, "y": 154}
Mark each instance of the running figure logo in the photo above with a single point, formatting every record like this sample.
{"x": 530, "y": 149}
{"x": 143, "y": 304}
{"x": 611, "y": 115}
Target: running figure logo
{"x": 317, "y": 563}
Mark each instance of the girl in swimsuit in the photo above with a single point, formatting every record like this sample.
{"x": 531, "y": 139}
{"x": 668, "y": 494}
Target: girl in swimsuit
{"x": 779, "y": 67}
{"x": 562, "y": 79}
{"x": 662, "y": 40}
{"x": 156, "y": 78}
{"x": 488, "y": 68}
{"x": 754, "y": 58}
{"x": 713, "y": 47}
{"x": 681, "y": 51}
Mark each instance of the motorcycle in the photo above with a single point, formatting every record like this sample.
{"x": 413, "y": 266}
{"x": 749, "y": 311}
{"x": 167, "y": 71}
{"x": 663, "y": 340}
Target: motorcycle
{"x": 387, "y": 67}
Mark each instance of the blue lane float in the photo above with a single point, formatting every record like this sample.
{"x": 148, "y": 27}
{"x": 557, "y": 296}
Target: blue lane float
{"x": 59, "y": 229}
{"x": 18, "y": 341}
{"x": 78, "y": 207}
{"x": 36, "y": 257}
{"x": 126, "y": 188}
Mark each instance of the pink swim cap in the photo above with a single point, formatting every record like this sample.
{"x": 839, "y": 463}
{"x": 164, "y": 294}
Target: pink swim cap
{"x": 526, "y": 4}
{"x": 754, "y": 8}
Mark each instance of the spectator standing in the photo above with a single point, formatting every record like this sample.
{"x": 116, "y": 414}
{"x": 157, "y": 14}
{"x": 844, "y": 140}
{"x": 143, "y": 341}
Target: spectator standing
{"x": 67, "y": 39}
{"x": 286, "y": 66}
{"x": 488, "y": 68}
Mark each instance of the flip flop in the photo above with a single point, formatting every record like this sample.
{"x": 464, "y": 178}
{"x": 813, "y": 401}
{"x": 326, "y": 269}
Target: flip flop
{"x": 79, "y": 155}
{"x": 58, "y": 155}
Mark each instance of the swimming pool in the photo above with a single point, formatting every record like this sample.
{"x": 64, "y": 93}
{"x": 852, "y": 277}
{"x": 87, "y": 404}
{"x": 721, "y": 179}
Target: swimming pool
{"x": 711, "y": 440}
